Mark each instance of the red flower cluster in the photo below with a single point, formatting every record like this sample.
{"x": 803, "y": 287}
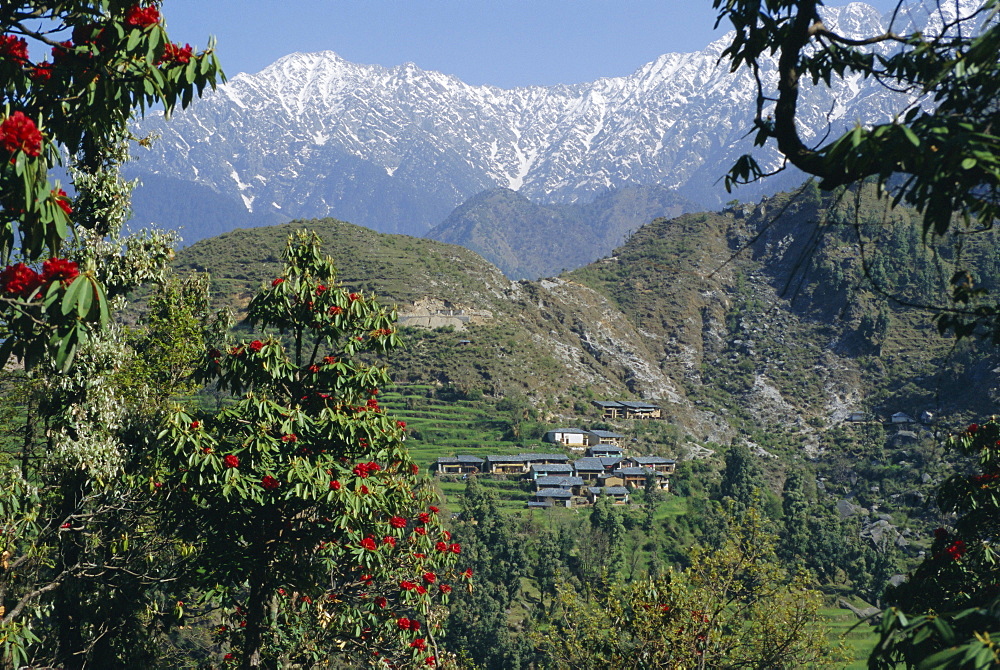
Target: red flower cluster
{"x": 364, "y": 469}
{"x": 369, "y": 544}
{"x": 269, "y": 483}
{"x": 41, "y": 72}
{"x": 354, "y": 296}
{"x": 419, "y": 644}
{"x": 407, "y": 624}
{"x": 195, "y": 425}
{"x": 19, "y": 280}
{"x": 142, "y": 17}
{"x": 973, "y": 428}
{"x": 420, "y": 530}
{"x": 455, "y": 549}
{"x": 14, "y": 48}
{"x": 389, "y": 540}
{"x": 334, "y": 311}
{"x": 19, "y": 133}
{"x": 981, "y": 480}
{"x": 381, "y": 602}
{"x": 467, "y": 573}
{"x": 407, "y": 585}
{"x": 335, "y": 485}
{"x": 173, "y": 53}
{"x": 397, "y": 522}
{"x": 401, "y": 424}
{"x": 424, "y": 517}
{"x": 442, "y": 547}
{"x": 256, "y": 346}
{"x": 320, "y": 289}
{"x": 433, "y": 509}
{"x": 329, "y": 360}
{"x": 444, "y": 588}
{"x": 290, "y": 437}
{"x": 60, "y": 269}
{"x": 231, "y": 461}
{"x": 277, "y": 281}
{"x": 956, "y": 550}
{"x": 430, "y": 577}
{"x": 430, "y": 661}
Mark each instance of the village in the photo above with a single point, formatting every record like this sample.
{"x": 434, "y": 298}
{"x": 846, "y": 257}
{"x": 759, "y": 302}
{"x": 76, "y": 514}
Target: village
{"x": 603, "y": 468}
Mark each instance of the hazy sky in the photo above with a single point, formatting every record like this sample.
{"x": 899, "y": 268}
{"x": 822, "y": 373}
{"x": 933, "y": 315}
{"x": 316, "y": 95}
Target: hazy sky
{"x": 504, "y": 43}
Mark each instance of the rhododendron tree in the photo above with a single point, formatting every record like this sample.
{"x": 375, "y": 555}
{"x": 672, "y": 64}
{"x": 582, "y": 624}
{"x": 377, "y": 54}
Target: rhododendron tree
{"x": 84, "y": 566}
{"x": 72, "y": 74}
{"x": 305, "y": 506}
{"x": 947, "y": 615}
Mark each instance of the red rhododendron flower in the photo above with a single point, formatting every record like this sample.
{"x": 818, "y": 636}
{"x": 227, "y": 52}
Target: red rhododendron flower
{"x": 414, "y": 468}
{"x": 278, "y": 280}
{"x": 430, "y": 577}
{"x": 420, "y": 530}
{"x": 424, "y": 517}
{"x": 19, "y": 133}
{"x": 421, "y": 589}
{"x": 354, "y": 296}
{"x": 444, "y": 588}
{"x": 456, "y": 549}
{"x": 174, "y": 53}
{"x": 441, "y": 546}
{"x": 419, "y": 555}
{"x": 269, "y": 483}
{"x": 956, "y": 550}
{"x": 320, "y": 289}
{"x": 256, "y": 346}
{"x": 368, "y": 543}
{"x": 419, "y": 644}
{"x": 60, "y": 269}
{"x": 62, "y": 201}
{"x": 231, "y": 461}
{"x": 195, "y": 425}
{"x": 433, "y": 509}
{"x": 363, "y": 490}
{"x": 334, "y": 311}
{"x": 372, "y": 403}
{"x": 329, "y": 360}
{"x": 403, "y": 623}
{"x": 41, "y": 72}
{"x": 228, "y": 657}
{"x": 335, "y": 485}
{"x": 467, "y": 573}
{"x": 19, "y": 280}
{"x": 142, "y": 17}
{"x": 290, "y": 437}
{"x": 445, "y": 534}
{"x": 407, "y": 585}
{"x": 14, "y": 48}
{"x": 361, "y": 470}
{"x": 397, "y": 522}
{"x": 430, "y": 660}
{"x": 381, "y": 602}
{"x": 390, "y": 540}
{"x": 973, "y": 428}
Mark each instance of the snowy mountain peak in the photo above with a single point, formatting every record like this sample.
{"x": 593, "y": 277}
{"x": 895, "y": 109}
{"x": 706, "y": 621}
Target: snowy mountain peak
{"x": 398, "y": 148}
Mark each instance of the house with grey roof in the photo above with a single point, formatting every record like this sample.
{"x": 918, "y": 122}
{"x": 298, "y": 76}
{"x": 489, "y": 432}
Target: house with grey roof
{"x": 506, "y": 465}
{"x": 636, "y": 477}
{"x": 627, "y": 409}
{"x": 604, "y": 451}
{"x": 660, "y": 464}
{"x": 606, "y": 437}
{"x": 618, "y": 493}
{"x": 554, "y": 497}
{"x": 569, "y": 437}
{"x": 591, "y": 468}
{"x": 548, "y": 469}
{"x": 573, "y": 484}
{"x": 458, "y": 465}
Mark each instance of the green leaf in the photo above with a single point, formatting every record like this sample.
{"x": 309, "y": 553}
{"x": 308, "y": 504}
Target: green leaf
{"x": 910, "y": 135}
{"x": 969, "y": 163}
{"x": 73, "y": 294}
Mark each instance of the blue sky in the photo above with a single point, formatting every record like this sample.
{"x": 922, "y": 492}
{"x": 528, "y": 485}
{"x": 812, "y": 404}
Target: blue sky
{"x": 504, "y": 43}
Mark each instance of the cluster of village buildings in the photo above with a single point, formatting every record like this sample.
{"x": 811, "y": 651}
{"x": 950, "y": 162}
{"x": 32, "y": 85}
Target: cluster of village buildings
{"x": 603, "y": 469}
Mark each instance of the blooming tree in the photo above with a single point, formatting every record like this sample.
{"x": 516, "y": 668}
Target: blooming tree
{"x": 71, "y": 76}
{"x": 947, "y": 614}
{"x": 77, "y": 542}
{"x": 313, "y": 529}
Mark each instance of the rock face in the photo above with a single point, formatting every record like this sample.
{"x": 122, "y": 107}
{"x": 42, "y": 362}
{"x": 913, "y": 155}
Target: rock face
{"x": 398, "y": 149}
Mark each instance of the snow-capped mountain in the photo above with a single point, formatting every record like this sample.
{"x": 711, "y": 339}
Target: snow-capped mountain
{"x": 398, "y": 149}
